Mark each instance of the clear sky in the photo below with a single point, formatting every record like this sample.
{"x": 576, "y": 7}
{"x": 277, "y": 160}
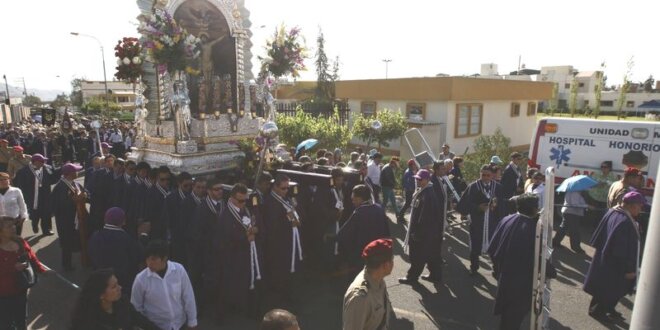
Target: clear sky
{"x": 421, "y": 37}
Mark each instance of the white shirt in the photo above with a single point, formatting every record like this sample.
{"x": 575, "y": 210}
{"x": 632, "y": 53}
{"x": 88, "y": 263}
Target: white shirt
{"x": 116, "y": 138}
{"x": 538, "y": 192}
{"x": 128, "y": 143}
{"x": 373, "y": 172}
{"x": 574, "y": 203}
{"x": 168, "y": 302}
{"x": 13, "y": 205}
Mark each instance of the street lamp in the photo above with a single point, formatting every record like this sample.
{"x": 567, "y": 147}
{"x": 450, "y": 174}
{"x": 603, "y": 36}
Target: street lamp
{"x": 105, "y": 79}
{"x": 387, "y": 64}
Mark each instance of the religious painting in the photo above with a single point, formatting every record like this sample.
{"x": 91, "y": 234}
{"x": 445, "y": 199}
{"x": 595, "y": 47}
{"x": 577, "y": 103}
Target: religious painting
{"x": 215, "y": 88}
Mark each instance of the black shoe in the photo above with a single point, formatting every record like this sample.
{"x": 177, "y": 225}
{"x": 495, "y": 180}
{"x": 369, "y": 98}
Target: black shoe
{"x": 405, "y": 280}
{"x": 615, "y": 315}
{"x": 35, "y": 230}
{"x": 48, "y": 233}
{"x": 434, "y": 279}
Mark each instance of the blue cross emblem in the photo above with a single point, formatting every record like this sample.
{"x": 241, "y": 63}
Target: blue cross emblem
{"x": 560, "y": 155}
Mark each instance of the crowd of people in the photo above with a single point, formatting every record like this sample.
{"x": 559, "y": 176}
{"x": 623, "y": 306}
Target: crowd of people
{"x": 167, "y": 248}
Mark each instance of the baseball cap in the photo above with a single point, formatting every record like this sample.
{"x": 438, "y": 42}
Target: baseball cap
{"x": 423, "y": 175}
{"x": 69, "y": 168}
{"x": 634, "y": 197}
{"x": 39, "y": 158}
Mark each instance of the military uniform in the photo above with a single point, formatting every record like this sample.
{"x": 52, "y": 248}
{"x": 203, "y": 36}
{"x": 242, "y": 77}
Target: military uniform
{"x": 5, "y": 155}
{"x": 366, "y": 304}
{"x": 16, "y": 163}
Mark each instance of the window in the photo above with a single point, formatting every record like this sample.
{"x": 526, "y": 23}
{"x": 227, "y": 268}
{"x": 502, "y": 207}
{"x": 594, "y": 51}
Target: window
{"x": 416, "y": 111}
{"x": 515, "y": 109}
{"x": 368, "y": 108}
{"x": 606, "y": 103}
{"x": 586, "y": 103}
{"x": 567, "y": 85}
{"x": 531, "y": 109}
{"x": 122, "y": 99}
{"x": 468, "y": 120}
{"x": 630, "y": 104}
{"x": 581, "y": 85}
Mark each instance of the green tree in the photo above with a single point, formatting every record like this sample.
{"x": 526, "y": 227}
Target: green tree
{"x": 624, "y": 88}
{"x": 485, "y": 147}
{"x": 323, "y": 75}
{"x": 598, "y": 90}
{"x": 572, "y": 102}
{"x": 327, "y": 130}
{"x": 31, "y": 100}
{"x": 393, "y": 125}
{"x": 96, "y": 106}
{"x": 61, "y": 101}
{"x": 649, "y": 84}
{"x": 552, "y": 106}
{"x": 76, "y": 93}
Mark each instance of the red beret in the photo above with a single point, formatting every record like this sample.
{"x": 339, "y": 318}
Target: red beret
{"x": 631, "y": 171}
{"x": 379, "y": 246}
{"x": 18, "y": 148}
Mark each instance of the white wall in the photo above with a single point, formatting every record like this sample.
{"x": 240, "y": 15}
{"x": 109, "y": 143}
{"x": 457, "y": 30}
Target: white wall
{"x": 495, "y": 114}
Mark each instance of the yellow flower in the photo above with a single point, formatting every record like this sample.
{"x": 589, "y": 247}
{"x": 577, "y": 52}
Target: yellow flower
{"x": 191, "y": 71}
{"x": 158, "y": 45}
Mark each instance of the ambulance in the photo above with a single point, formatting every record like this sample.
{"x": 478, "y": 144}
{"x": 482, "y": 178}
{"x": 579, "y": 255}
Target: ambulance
{"x": 579, "y": 146}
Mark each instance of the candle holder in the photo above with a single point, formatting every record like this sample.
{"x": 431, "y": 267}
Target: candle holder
{"x": 241, "y": 113}
{"x": 217, "y": 114}
{"x": 229, "y": 110}
{"x": 202, "y": 116}
{"x": 254, "y": 114}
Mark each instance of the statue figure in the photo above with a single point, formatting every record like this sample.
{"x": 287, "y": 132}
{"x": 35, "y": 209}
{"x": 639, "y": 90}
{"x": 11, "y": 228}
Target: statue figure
{"x": 206, "y": 65}
{"x": 181, "y": 110}
{"x": 141, "y": 121}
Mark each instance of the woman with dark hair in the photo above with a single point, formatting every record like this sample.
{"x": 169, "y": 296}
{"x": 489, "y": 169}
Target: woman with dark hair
{"x": 101, "y": 306}
{"x": 15, "y": 253}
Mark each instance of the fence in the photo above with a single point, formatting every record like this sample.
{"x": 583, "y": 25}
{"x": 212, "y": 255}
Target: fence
{"x": 317, "y": 109}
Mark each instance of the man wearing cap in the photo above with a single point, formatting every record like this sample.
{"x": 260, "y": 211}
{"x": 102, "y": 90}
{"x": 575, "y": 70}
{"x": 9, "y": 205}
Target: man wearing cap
{"x": 482, "y": 201}
{"x": 64, "y": 210}
{"x": 424, "y": 236}
{"x": 408, "y": 183}
{"x": 632, "y": 179}
{"x": 367, "y": 223}
{"x": 12, "y": 204}
{"x": 43, "y": 146}
{"x": 34, "y": 181}
{"x": 446, "y": 154}
{"x": 512, "y": 180}
{"x": 512, "y": 253}
{"x": 366, "y": 302}
{"x": 5, "y": 154}
{"x": 17, "y": 161}
{"x": 112, "y": 247}
{"x": 373, "y": 174}
{"x": 388, "y": 181}
{"x": 615, "y": 265}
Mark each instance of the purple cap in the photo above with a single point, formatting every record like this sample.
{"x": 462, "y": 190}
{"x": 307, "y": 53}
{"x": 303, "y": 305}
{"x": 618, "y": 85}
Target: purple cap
{"x": 106, "y": 145}
{"x": 39, "y": 158}
{"x": 69, "y": 168}
{"x": 423, "y": 175}
{"x": 115, "y": 216}
{"x": 634, "y": 197}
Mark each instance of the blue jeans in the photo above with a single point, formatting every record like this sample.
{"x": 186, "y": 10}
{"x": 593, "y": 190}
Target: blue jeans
{"x": 388, "y": 196}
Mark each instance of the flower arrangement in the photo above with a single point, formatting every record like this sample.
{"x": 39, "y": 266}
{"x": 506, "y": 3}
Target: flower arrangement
{"x": 169, "y": 45}
{"x": 285, "y": 53}
{"x": 129, "y": 62}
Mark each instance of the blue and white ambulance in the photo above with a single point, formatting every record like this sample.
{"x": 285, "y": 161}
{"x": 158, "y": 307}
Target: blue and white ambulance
{"x": 579, "y": 146}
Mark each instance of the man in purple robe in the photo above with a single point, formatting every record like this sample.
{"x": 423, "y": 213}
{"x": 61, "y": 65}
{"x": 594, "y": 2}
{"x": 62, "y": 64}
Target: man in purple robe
{"x": 512, "y": 252}
{"x": 614, "y": 267}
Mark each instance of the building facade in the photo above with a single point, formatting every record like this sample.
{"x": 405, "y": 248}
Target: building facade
{"x": 118, "y": 91}
{"x": 452, "y": 110}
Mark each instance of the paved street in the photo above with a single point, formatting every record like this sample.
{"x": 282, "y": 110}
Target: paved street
{"x": 461, "y": 302}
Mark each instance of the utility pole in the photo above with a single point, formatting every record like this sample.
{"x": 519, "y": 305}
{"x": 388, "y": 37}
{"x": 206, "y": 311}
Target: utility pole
{"x": 105, "y": 79}
{"x": 387, "y": 64}
{"x": 7, "y": 101}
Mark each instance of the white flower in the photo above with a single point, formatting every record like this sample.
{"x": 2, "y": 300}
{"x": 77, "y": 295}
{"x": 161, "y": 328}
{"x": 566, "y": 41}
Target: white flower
{"x": 119, "y": 62}
{"x": 136, "y": 60}
{"x": 126, "y": 61}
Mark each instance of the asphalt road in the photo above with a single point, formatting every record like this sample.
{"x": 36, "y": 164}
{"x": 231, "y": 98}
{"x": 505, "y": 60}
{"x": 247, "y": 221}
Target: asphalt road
{"x": 460, "y": 302}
